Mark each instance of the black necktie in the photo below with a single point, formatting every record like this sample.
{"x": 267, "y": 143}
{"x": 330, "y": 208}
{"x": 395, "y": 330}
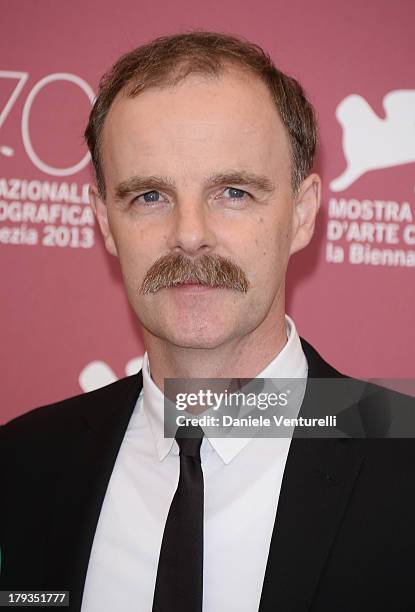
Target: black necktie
{"x": 179, "y": 582}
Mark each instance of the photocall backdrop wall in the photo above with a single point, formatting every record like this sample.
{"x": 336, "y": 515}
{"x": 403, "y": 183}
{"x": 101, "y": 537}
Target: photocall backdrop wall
{"x": 65, "y": 325}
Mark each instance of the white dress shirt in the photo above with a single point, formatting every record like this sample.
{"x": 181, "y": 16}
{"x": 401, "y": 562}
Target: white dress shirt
{"x": 242, "y": 479}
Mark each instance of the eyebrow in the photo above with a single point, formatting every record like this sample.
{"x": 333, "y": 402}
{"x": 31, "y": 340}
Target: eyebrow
{"x": 138, "y": 183}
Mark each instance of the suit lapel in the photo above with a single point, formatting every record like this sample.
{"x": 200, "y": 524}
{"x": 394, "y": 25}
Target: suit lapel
{"x": 83, "y": 484}
{"x": 317, "y": 482}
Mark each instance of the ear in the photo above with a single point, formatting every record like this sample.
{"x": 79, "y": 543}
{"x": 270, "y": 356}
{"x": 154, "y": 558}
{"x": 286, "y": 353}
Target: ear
{"x": 101, "y": 213}
{"x": 306, "y": 206}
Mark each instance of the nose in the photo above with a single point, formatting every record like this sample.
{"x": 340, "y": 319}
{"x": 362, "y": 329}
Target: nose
{"x": 192, "y": 230}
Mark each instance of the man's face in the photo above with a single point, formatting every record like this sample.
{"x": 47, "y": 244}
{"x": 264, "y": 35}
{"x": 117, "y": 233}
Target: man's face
{"x": 213, "y": 161}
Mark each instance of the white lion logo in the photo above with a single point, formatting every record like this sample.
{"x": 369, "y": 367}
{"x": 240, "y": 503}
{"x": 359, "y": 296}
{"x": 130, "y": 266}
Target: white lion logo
{"x": 98, "y": 374}
{"x": 371, "y": 143}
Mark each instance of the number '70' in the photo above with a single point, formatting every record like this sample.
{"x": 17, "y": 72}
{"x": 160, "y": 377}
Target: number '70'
{"x": 21, "y": 78}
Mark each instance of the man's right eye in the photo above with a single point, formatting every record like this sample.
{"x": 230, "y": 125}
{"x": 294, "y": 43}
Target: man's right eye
{"x": 148, "y": 197}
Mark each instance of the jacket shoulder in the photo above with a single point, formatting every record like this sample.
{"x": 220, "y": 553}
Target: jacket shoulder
{"x": 364, "y": 409}
{"x": 64, "y": 415}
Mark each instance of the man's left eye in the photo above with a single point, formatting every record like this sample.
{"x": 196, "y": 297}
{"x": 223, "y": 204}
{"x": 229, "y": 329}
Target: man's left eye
{"x": 235, "y": 194}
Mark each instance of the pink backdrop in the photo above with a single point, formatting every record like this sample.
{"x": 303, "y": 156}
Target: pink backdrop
{"x": 65, "y": 324}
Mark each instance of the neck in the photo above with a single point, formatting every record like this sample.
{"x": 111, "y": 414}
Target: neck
{"x": 242, "y": 357}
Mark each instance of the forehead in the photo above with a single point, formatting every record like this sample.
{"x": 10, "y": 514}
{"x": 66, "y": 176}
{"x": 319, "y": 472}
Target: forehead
{"x": 198, "y": 126}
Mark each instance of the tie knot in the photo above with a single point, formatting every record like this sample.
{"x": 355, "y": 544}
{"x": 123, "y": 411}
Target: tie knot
{"x": 189, "y": 439}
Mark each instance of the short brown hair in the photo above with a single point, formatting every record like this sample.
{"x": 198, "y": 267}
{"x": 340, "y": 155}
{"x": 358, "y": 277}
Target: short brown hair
{"x": 167, "y": 60}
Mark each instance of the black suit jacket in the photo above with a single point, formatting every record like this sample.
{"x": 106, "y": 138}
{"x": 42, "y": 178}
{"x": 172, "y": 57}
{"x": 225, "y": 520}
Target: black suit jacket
{"x": 344, "y": 534}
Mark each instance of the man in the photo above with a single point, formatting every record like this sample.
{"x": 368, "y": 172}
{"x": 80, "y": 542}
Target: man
{"x": 203, "y": 153}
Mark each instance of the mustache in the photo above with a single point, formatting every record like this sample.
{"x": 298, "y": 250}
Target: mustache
{"x": 211, "y": 270}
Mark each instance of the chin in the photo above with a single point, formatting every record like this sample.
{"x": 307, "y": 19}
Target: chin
{"x": 197, "y": 338}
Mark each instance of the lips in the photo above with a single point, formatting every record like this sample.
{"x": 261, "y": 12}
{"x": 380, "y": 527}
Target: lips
{"x": 189, "y": 282}
{"x": 192, "y": 286}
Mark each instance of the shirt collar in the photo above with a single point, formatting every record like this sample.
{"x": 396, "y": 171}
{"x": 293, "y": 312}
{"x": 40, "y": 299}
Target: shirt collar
{"x": 289, "y": 363}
